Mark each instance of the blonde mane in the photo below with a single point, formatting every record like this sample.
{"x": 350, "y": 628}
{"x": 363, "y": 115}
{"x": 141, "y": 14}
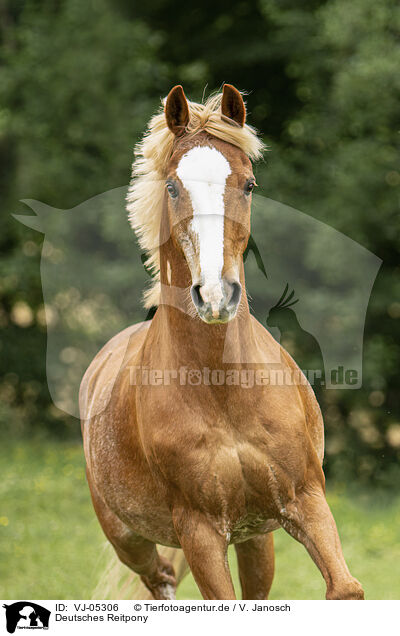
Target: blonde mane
{"x": 152, "y": 155}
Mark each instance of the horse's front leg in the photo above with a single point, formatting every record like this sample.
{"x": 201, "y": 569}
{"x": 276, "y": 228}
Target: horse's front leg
{"x": 205, "y": 548}
{"x": 256, "y": 566}
{"x": 309, "y": 520}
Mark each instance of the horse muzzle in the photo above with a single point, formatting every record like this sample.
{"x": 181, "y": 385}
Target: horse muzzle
{"x": 217, "y": 303}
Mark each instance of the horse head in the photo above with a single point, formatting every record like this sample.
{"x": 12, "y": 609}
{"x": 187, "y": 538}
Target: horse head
{"x": 200, "y": 155}
{"x": 208, "y": 188}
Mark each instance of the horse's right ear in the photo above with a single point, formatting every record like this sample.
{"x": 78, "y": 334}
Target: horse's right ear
{"x": 177, "y": 110}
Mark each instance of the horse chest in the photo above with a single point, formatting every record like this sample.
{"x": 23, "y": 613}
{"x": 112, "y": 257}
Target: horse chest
{"x": 220, "y": 474}
{"x": 236, "y": 488}
{"x": 231, "y": 469}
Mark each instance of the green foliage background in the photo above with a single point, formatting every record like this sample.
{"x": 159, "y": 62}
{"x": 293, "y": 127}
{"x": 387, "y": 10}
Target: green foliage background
{"x": 78, "y": 83}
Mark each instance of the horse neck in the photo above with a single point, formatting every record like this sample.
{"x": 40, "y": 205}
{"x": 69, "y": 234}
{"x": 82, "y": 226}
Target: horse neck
{"x": 182, "y": 333}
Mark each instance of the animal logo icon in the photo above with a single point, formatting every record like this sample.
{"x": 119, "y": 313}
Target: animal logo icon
{"x": 26, "y": 615}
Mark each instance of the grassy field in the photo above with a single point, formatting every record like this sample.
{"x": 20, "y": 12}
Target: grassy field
{"x": 51, "y": 546}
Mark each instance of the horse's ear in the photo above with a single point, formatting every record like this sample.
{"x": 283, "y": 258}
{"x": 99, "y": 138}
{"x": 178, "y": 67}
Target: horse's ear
{"x": 232, "y": 105}
{"x": 177, "y": 110}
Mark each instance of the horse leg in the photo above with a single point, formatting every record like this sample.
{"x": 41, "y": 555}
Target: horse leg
{"x": 308, "y": 519}
{"x": 256, "y": 566}
{"x": 139, "y": 554}
{"x": 205, "y": 548}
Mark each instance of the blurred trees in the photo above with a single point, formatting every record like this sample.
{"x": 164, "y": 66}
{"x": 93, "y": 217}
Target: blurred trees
{"x": 79, "y": 81}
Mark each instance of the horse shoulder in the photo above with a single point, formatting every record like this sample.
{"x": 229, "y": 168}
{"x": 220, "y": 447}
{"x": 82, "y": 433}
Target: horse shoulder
{"x": 98, "y": 381}
{"x": 312, "y": 412}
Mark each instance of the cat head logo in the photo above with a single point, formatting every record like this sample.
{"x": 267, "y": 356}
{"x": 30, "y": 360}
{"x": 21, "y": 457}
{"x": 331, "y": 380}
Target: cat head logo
{"x": 26, "y": 615}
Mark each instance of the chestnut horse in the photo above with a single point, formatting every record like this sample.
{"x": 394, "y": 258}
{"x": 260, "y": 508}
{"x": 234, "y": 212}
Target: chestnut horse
{"x": 179, "y": 451}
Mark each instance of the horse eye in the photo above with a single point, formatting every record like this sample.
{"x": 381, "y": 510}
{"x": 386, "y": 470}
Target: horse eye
{"x": 249, "y": 187}
{"x": 172, "y": 189}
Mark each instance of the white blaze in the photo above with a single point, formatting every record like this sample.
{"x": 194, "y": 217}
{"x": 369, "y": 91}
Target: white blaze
{"x": 203, "y": 172}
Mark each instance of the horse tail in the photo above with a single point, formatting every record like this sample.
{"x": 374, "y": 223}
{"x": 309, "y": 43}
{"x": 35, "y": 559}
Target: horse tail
{"x": 118, "y": 582}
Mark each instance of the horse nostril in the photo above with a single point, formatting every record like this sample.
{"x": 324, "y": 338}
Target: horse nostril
{"x": 236, "y": 294}
{"x": 196, "y": 296}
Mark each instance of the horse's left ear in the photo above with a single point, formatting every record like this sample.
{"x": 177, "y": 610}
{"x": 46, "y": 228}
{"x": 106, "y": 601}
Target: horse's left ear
{"x": 232, "y": 105}
{"x": 177, "y": 110}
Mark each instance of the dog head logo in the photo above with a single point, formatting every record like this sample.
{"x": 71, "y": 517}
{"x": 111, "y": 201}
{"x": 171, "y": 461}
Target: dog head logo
{"x": 26, "y": 615}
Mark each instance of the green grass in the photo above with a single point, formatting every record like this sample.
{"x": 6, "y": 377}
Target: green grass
{"x": 51, "y": 545}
